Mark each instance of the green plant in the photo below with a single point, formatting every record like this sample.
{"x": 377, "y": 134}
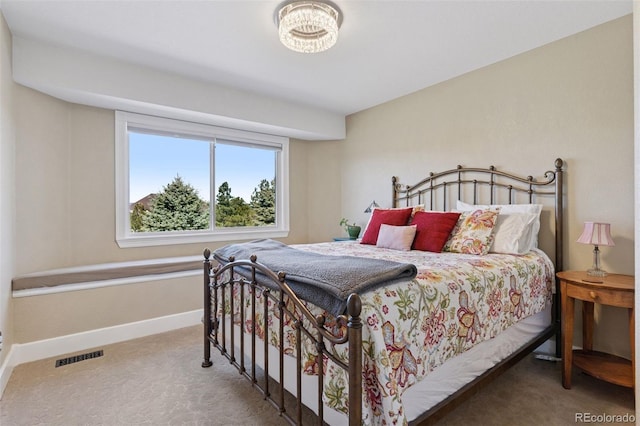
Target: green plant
{"x": 345, "y": 223}
{"x": 352, "y": 229}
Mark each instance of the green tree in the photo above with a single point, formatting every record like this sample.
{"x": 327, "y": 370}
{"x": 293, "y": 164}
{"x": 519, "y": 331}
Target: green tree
{"x": 178, "y": 207}
{"x": 136, "y": 217}
{"x": 224, "y": 194}
{"x": 232, "y": 211}
{"x": 263, "y": 202}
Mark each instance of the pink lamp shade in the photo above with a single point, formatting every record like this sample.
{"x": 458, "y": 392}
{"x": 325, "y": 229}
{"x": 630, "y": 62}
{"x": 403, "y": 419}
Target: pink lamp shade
{"x": 597, "y": 234}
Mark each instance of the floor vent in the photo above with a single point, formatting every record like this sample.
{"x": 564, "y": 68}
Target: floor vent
{"x": 78, "y": 358}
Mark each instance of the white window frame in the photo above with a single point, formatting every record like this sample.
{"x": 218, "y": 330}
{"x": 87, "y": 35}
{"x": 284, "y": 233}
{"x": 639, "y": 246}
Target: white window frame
{"x": 126, "y": 238}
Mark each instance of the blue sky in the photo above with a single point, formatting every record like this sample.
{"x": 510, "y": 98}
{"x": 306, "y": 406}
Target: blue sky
{"x": 154, "y": 161}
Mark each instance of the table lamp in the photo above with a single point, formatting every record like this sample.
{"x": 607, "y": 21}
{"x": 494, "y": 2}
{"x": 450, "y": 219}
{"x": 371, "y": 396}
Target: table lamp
{"x": 372, "y": 206}
{"x": 597, "y": 234}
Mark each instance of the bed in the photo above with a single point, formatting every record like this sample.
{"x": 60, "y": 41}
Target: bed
{"x": 438, "y": 318}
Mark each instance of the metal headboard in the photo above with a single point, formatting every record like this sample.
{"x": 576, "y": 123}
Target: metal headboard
{"x": 439, "y": 191}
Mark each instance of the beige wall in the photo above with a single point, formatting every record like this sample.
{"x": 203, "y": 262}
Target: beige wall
{"x": 66, "y": 187}
{"x": 66, "y": 217}
{"x": 46, "y": 316}
{"x": 572, "y": 99}
{"x": 7, "y": 189}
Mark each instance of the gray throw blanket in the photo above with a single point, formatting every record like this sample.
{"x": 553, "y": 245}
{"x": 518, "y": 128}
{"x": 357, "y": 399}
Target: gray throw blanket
{"x": 325, "y": 281}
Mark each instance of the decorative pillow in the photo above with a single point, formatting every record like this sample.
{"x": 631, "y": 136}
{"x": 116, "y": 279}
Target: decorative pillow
{"x": 433, "y": 229}
{"x": 473, "y": 232}
{"x": 397, "y": 217}
{"x": 512, "y": 233}
{"x": 529, "y": 236}
{"x": 396, "y": 237}
{"x": 414, "y": 209}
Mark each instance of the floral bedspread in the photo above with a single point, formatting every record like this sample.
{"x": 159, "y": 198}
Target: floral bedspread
{"x": 455, "y": 302}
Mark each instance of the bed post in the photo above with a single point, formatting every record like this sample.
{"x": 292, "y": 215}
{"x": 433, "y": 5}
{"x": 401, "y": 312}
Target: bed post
{"x": 394, "y": 197}
{"x": 354, "y": 325}
{"x": 207, "y": 309}
{"x": 559, "y": 213}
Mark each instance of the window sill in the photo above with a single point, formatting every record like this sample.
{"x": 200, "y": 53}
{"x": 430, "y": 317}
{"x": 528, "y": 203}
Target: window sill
{"x": 150, "y": 240}
{"x": 104, "y": 275}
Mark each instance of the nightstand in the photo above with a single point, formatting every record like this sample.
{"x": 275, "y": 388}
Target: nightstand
{"x": 615, "y": 290}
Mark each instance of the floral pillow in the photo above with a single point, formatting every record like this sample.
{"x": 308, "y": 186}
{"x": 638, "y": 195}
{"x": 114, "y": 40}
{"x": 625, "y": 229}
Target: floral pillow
{"x": 528, "y": 238}
{"x": 473, "y": 234}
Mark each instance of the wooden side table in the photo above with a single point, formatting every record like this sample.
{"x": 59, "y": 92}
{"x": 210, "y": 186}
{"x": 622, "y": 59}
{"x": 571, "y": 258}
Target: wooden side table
{"x": 615, "y": 290}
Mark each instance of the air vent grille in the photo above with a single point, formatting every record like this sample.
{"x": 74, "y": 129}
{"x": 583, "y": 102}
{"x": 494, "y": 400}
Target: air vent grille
{"x": 78, "y": 358}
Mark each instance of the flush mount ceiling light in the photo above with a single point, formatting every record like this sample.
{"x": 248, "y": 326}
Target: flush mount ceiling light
{"x": 308, "y": 26}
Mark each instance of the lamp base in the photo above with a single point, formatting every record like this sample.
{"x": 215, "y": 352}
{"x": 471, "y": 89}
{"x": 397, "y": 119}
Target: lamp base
{"x": 595, "y": 275}
{"x": 597, "y": 272}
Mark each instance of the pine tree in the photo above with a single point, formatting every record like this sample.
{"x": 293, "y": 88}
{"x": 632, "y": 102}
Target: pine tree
{"x": 263, "y": 202}
{"x": 232, "y": 211}
{"x": 178, "y": 207}
{"x": 224, "y": 195}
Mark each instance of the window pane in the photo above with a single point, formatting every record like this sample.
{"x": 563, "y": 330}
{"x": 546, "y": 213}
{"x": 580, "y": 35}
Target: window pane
{"x": 169, "y": 175}
{"x": 169, "y": 183}
{"x": 245, "y": 178}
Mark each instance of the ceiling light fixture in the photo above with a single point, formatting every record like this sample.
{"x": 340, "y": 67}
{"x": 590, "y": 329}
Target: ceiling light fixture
{"x": 308, "y": 26}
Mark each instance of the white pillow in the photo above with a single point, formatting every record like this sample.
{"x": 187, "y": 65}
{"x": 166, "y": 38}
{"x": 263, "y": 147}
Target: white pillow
{"x": 512, "y": 233}
{"x": 396, "y": 237}
{"x": 529, "y": 237}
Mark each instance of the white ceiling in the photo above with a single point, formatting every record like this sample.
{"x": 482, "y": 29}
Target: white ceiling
{"x": 386, "y": 49}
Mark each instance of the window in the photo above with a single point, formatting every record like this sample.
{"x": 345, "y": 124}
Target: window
{"x": 180, "y": 182}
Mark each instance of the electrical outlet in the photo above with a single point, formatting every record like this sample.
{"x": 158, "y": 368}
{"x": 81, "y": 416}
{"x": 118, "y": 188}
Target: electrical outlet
{"x": 0, "y": 340}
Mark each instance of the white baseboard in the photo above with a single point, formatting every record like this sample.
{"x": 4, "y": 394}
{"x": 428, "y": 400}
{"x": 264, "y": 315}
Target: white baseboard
{"x": 41, "y": 349}
{"x": 5, "y": 371}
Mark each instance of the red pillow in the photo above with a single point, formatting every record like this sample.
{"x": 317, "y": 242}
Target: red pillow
{"x": 433, "y": 230}
{"x": 396, "y": 217}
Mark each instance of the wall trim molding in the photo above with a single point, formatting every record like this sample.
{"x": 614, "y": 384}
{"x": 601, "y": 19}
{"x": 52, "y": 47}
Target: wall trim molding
{"x": 63, "y": 288}
{"x": 21, "y": 353}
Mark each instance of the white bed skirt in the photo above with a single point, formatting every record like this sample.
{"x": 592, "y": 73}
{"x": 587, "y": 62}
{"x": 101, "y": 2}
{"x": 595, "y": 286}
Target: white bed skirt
{"x": 458, "y": 371}
{"x": 436, "y": 386}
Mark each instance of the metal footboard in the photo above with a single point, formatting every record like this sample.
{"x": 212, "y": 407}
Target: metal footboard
{"x": 238, "y": 277}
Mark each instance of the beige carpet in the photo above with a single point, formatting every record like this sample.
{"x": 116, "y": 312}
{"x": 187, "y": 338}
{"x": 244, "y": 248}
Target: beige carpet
{"x": 158, "y": 380}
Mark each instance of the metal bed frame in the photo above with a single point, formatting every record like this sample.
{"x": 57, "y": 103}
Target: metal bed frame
{"x": 220, "y": 282}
